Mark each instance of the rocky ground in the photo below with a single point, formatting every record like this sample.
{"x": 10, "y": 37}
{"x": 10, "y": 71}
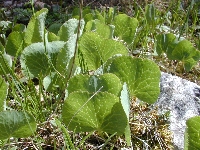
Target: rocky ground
{"x": 182, "y": 99}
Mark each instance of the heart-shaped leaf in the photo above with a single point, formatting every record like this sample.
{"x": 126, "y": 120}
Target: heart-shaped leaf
{"x": 36, "y": 59}
{"x": 106, "y": 82}
{"x": 183, "y": 50}
{"x": 125, "y": 27}
{"x": 141, "y": 75}
{"x": 84, "y": 112}
{"x": 163, "y": 41}
{"x": 16, "y": 124}
{"x": 97, "y": 50}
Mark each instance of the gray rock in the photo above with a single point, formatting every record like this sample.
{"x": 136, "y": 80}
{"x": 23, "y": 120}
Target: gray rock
{"x": 181, "y": 98}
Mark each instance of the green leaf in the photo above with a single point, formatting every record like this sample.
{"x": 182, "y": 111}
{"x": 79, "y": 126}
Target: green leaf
{"x": 163, "y": 41}
{"x": 93, "y": 16}
{"x": 183, "y": 50}
{"x": 5, "y": 59}
{"x": 193, "y": 133}
{"x": 102, "y": 29}
{"x": 19, "y": 28}
{"x": 3, "y": 93}
{"x": 125, "y": 27}
{"x": 36, "y": 27}
{"x": 106, "y": 82}
{"x": 150, "y": 13}
{"x": 52, "y": 37}
{"x": 14, "y": 43}
{"x": 16, "y": 124}
{"x": 1, "y": 47}
{"x": 142, "y": 76}
{"x": 35, "y": 59}
{"x": 69, "y": 29}
{"x": 189, "y": 63}
{"x": 65, "y": 58}
{"x": 103, "y": 111}
{"x": 110, "y": 15}
{"x": 55, "y": 27}
{"x": 125, "y": 101}
{"x": 97, "y": 50}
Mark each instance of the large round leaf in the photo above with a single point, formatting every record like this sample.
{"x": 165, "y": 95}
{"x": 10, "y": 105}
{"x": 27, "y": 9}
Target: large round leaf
{"x": 97, "y": 50}
{"x": 163, "y": 41}
{"x": 83, "y": 112}
{"x": 183, "y": 50}
{"x": 141, "y": 75}
{"x": 16, "y": 124}
{"x": 36, "y": 59}
{"x": 125, "y": 27}
{"x": 106, "y": 82}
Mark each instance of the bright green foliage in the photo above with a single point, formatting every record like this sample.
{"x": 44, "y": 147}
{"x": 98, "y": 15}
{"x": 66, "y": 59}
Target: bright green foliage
{"x": 101, "y": 111}
{"x": 3, "y": 93}
{"x": 107, "y": 82}
{"x": 102, "y": 29}
{"x": 93, "y": 16}
{"x": 52, "y": 37}
{"x": 141, "y": 75}
{"x": 14, "y": 43}
{"x": 125, "y": 27}
{"x": 182, "y": 50}
{"x": 93, "y": 102}
{"x": 16, "y": 124}
{"x": 193, "y": 134}
{"x": 93, "y": 112}
{"x": 97, "y": 50}
{"x": 163, "y": 43}
{"x": 69, "y": 29}
{"x": 68, "y": 32}
{"x": 37, "y": 58}
{"x": 19, "y": 28}
{"x": 36, "y": 27}
{"x": 109, "y": 16}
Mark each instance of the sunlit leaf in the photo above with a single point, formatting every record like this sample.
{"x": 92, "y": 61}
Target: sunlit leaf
{"x": 142, "y": 76}
{"x": 107, "y": 82}
{"x": 36, "y": 27}
{"x": 103, "y": 111}
{"x": 125, "y": 27}
{"x": 97, "y": 50}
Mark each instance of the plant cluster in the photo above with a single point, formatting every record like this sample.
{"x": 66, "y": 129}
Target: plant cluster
{"x": 80, "y": 76}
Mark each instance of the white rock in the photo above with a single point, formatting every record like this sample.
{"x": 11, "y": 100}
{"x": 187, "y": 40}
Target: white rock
{"x": 179, "y": 96}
